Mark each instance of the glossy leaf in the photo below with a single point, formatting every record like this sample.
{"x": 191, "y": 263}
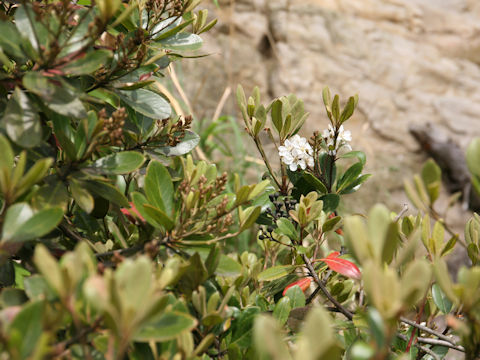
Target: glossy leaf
{"x": 441, "y": 300}
{"x": 25, "y": 225}
{"x": 304, "y": 284}
{"x": 146, "y": 103}
{"x": 88, "y": 63}
{"x": 187, "y": 144}
{"x": 159, "y": 216}
{"x": 21, "y": 120}
{"x": 275, "y": 272}
{"x": 119, "y": 163}
{"x": 282, "y": 310}
{"x": 165, "y": 327}
{"x": 159, "y": 187}
{"x": 342, "y": 266}
{"x": 56, "y": 95}
{"x": 182, "y": 41}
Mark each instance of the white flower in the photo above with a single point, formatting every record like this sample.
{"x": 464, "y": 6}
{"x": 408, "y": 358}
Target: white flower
{"x": 296, "y": 152}
{"x": 343, "y": 137}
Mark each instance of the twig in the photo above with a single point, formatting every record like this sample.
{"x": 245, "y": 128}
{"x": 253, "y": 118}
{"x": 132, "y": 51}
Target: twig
{"x": 431, "y": 341}
{"x": 128, "y": 251}
{"x": 401, "y": 213}
{"x": 348, "y": 314}
{"x": 423, "y": 348}
{"x": 316, "y": 291}
{"x": 427, "y": 330}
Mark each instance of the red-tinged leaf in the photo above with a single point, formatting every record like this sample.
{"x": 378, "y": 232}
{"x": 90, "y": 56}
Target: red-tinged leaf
{"x": 333, "y": 255}
{"x": 339, "y": 231}
{"x": 303, "y": 283}
{"x": 132, "y": 213}
{"x": 342, "y": 266}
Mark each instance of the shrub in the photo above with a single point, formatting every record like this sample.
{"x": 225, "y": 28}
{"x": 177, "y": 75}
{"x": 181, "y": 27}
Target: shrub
{"x": 117, "y": 241}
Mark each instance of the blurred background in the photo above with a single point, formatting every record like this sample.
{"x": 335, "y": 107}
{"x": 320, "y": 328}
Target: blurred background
{"x": 410, "y": 61}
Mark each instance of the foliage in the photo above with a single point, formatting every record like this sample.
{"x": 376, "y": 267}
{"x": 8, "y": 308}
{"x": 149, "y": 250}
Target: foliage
{"x": 117, "y": 241}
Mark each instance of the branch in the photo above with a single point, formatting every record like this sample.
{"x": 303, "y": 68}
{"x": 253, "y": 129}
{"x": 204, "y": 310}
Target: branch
{"x": 348, "y": 314}
{"x": 401, "y": 213}
{"x": 427, "y": 330}
{"x": 423, "y": 348}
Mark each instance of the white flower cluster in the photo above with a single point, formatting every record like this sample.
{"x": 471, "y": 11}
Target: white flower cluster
{"x": 343, "y": 137}
{"x": 296, "y": 152}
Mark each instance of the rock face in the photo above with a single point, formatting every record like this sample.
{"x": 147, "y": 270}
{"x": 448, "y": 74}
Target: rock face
{"x": 410, "y": 61}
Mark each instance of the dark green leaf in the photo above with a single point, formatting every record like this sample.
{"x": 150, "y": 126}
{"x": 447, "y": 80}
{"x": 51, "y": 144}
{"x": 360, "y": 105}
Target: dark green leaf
{"x": 441, "y": 300}
{"x": 182, "y": 41}
{"x": 26, "y": 329}
{"x": 21, "y": 120}
{"x": 55, "y": 93}
{"x": 87, "y": 64}
{"x": 118, "y": 163}
{"x": 282, "y": 310}
{"x": 352, "y": 173}
{"x": 187, "y": 144}
{"x": 330, "y": 202}
{"x": 275, "y": 272}
{"x": 107, "y": 191}
{"x": 315, "y": 182}
{"x": 296, "y": 296}
{"x": 25, "y": 225}
{"x": 165, "y": 327}
{"x": 159, "y": 187}
{"x": 159, "y": 217}
{"x": 147, "y": 103}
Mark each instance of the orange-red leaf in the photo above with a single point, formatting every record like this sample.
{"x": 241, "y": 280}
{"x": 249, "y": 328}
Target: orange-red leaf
{"x": 132, "y": 213}
{"x": 342, "y": 266}
{"x": 303, "y": 283}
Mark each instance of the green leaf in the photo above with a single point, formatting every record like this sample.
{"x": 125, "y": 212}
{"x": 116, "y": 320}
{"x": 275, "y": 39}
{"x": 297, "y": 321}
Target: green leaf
{"x": 159, "y": 187}
{"x": 311, "y": 345}
{"x": 159, "y": 217}
{"x": 348, "y": 110}
{"x": 10, "y": 41}
{"x": 34, "y": 175}
{"x": 296, "y": 295}
{"x": 21, "y": 120}
{"x": 6, "y": 160}
{"x": 360, "y": 155}
{"x": 106, "y": 191}
{"x": 352, "y": 173}
{"x": 88, "y": 63}
{"x": 327, "y": 97}
{"x": 336, "y": 107}
{"x": 182, "y": 41}
{"x": 159, "y": 32}
{"x": 81, "y": 196}
{"x": 275, "y": 272}
{"x": 277, "y": 115}
{"x": 26, "y": 329}
{"x": 26, "y": 228}
{"x": 228, "y": 267}
{"x": 251, "y": 215}
{"x": 165, "y": 327}
{"x": 269, "y": 339}
{"x": 330, "y": 202}
{"x": 147, "y": 103}
{"x": 432, "y": 178}
{"x": 285, "y": 227}
{"x": 473, "y": 157}
{"x": 282, "y": 310}
{"x": 52, "y": 194}
{"x": 118, "y": 163}
{"x": 242, "y": 327}
{"x": 56, "y": 94}
{"x": 377, "y": 326}
{"x": 187, "y": 144}
{"x": 330, "y": 223}
{"x": 441, "y": 300}
{"x": 49, "y": 268}
{"x": 315, "y": 182}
